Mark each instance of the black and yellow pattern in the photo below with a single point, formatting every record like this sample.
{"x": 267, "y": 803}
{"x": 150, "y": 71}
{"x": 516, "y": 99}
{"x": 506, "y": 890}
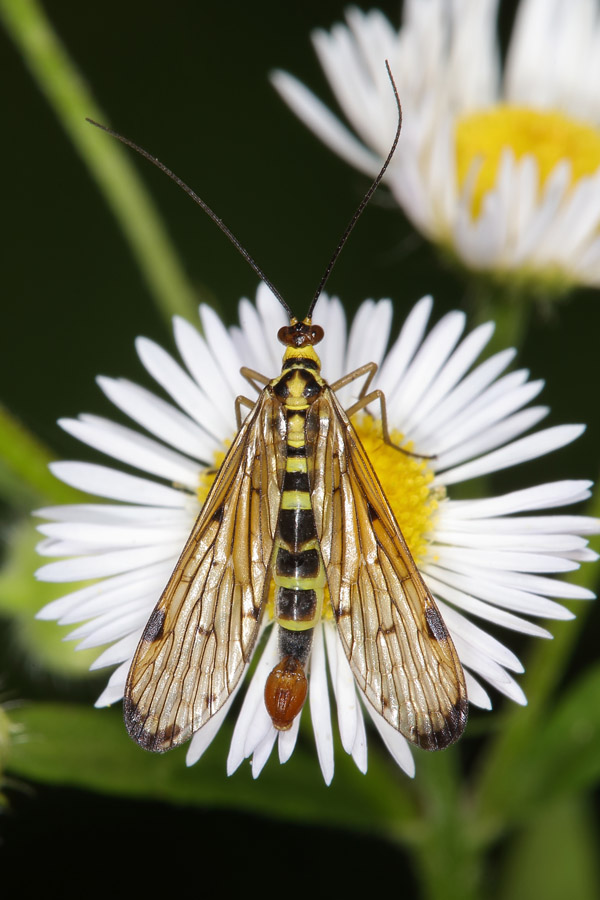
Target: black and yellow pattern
{"x": 297, "y": 501}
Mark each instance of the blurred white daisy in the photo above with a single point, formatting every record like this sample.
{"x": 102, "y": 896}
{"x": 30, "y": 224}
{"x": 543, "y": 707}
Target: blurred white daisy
{"x": 499, "y": 166}
{"x": 488, "y": 559}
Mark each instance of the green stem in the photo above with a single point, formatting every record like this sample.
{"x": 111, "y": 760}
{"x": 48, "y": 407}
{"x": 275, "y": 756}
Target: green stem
{"x": 446, "y": 850}
{"x": 510, "y": 310}
{"x": 66, "y": 91}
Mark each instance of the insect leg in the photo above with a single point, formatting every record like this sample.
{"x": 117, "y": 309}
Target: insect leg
{"x": 368, "y": 369}
{"x": 239, "y": 402}
{"x": 253, "y": 377}
{"x": 364, "y": 399}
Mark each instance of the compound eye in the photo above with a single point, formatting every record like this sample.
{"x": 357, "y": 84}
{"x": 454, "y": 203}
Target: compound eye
{"x": 317, "y": 334}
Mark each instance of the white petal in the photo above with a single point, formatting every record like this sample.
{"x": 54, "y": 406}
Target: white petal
{"x": 397, "y": 745}
{"x": 105, "y": 482}
{"x": 476, "y": 694}
{"x": 287, "y": 740}
{"x": 199, "y": 359}
{"x": 259, "y": 353}
{"x": 84, "y": 567}
{"x": 465, "y": 559}
{"x": 344, "y": 690}
{"x": 225, "y": 355}
{"x": 505, "y": 589}
{"x": 121, "y": 651}
{"x": 461, "y": 398}
{"x": 511, "y": 455}
{"x": 114, "y": 690}
{"x": 112, "y": 514}
{"x": 476, "y": 607}
{"x": 205, "y": 735}
{"x": 466, "y": 632}
{"x": 359, "y": 746}
{"x": 489, "y": 405}
{"x": 369, "y": 334}
{"x": 320, "y": 711}
{"x": 112, "y": 626}
{"x": 103, "y": 537}
{"x": 542, "y": 496}
{"x": 491, "y": 437}
{"x": 428, "y": 360}
{"x": 262, "y": 752}
{"x": 401, "y": 354}
{"x": 158, "y": 417}
{"x": 253, "y": 722}
{"x": 183, "y": 389}
{"x": 451, "y": 373}
{"x": 515, "y": 538}
{"x": 95, "y": 598}
{"x": 324, "y": 124}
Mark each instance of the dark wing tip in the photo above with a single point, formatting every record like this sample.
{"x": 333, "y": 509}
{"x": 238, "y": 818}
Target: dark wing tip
{"x": 454, "y": 726}
{"x": 157, "y": 740}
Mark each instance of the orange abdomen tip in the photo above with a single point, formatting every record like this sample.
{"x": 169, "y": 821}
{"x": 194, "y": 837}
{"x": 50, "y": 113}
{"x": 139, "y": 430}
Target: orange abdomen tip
{"x": 285, "y": 692}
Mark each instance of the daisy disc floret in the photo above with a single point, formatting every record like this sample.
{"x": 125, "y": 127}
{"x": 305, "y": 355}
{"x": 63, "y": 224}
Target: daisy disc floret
{"x": 500, "y": 166}
{"x": 487, "y": 560}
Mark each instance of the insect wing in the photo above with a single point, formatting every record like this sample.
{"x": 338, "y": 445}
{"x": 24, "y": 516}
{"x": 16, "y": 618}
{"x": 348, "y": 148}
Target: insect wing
{"x": 398, "y": 647}
{"x": 199, "y": 639}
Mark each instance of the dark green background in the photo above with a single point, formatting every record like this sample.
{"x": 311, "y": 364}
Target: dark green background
{"x": 189, "y": 82}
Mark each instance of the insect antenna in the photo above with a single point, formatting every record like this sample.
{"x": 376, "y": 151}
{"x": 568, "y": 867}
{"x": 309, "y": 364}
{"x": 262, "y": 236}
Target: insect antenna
{"x": 229, "y": 234}
{"x": 362, "y": 203}
{"x": 188, "y": 190}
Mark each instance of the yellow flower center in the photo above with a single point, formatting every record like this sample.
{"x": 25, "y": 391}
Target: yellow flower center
{"x": 207, "y": 477}
{"x": 549, "y": 137}
{"x": 406, "y": 482}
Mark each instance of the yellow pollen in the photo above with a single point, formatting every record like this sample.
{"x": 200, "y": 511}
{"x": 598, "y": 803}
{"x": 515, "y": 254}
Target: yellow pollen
{"x": 550, "y": 137}
{"x": 207, "y": 477}
{"x": 406, "y": 481}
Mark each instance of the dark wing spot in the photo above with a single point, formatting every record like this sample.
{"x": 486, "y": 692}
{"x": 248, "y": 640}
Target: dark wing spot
{"x": 435, "y": 626}
{"x": 218, "y": 514}
{"x": 154, "y": 629}
{"x": 372, "y": 513}
{"x": 168, "y": 736}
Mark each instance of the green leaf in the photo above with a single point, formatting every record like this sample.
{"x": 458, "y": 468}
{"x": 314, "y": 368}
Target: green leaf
{"x": 568, "y": 760}
{"x": 25, "y": 479}
{"x": 86, "y": 748}
{"x": 22, "y": 596}
{"x": 554, "y": 857}
{"x": 560, "y": 759}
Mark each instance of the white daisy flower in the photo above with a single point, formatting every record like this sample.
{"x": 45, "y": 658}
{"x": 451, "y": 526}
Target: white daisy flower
{"x": 499, "y": 166}
{"x": 488, "y": 559}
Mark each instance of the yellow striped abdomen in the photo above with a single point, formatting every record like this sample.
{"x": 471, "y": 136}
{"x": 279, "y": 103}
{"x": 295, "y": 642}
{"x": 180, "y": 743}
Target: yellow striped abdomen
{"x": 298, "y": 570}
